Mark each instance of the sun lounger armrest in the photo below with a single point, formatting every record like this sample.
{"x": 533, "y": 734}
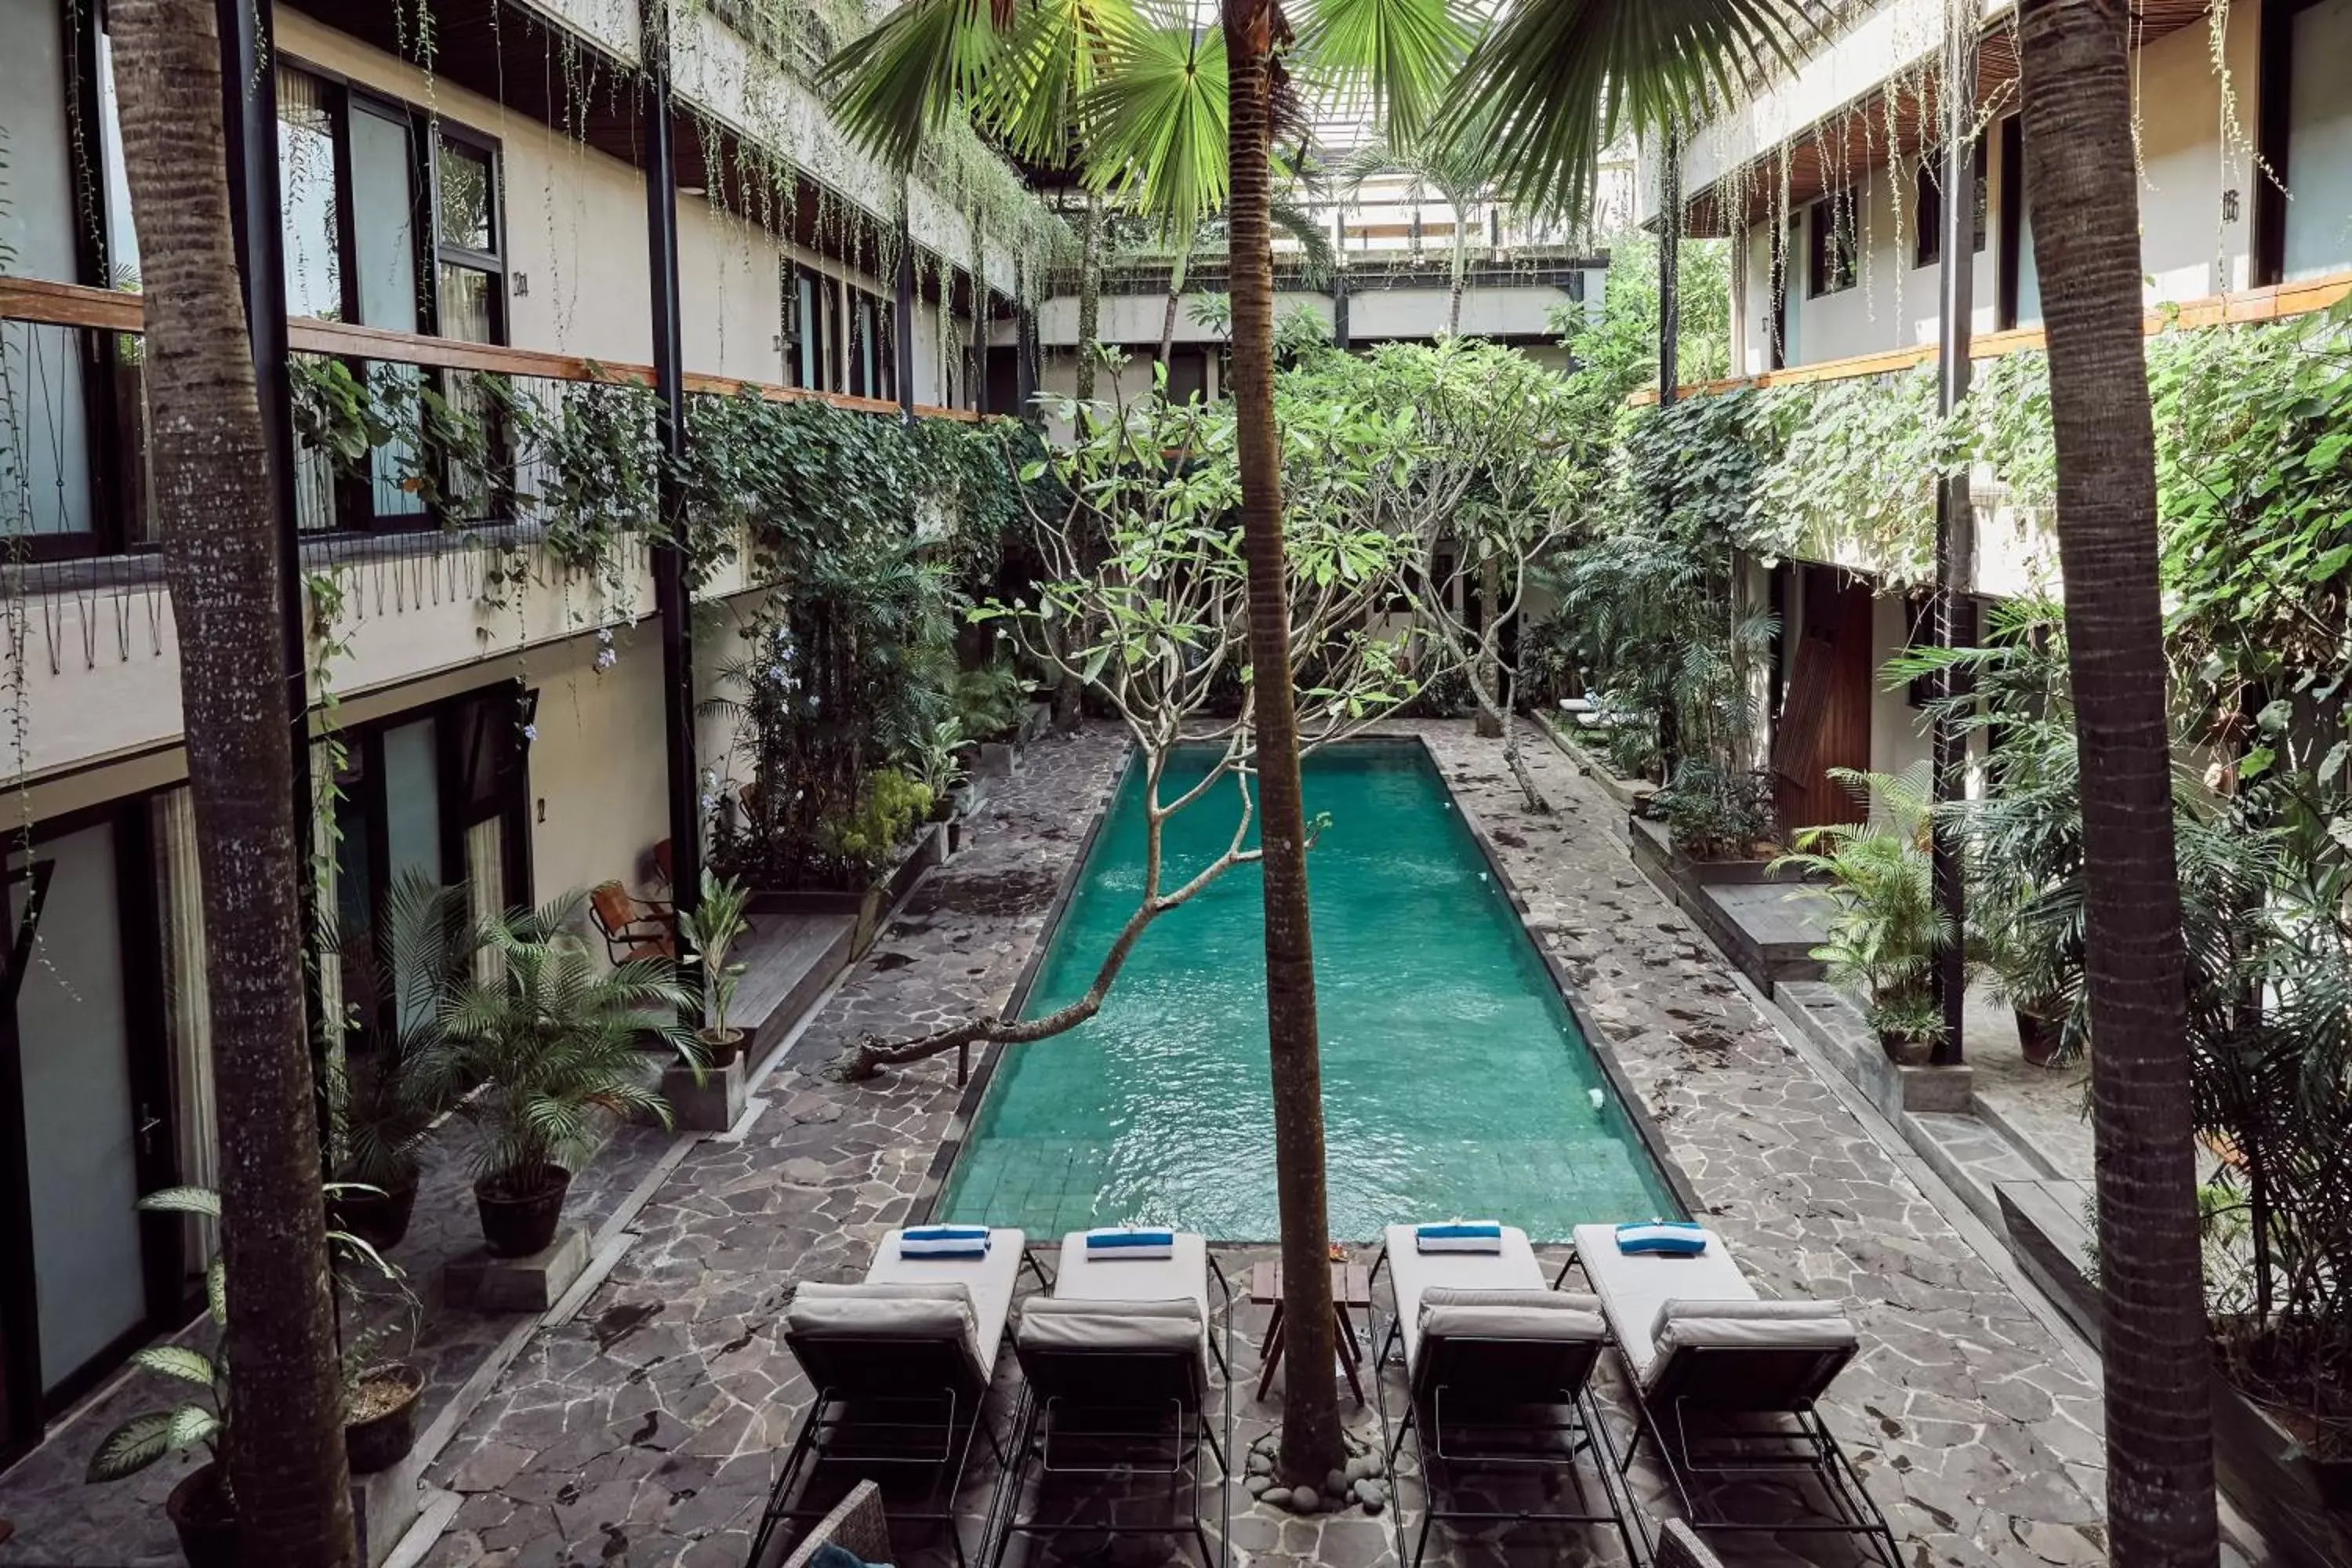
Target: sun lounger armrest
{"x": 858, "y": 1526}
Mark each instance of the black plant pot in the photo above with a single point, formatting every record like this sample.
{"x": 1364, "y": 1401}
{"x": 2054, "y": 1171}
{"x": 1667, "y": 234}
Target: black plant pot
{"x": 521, "y": 1210}
{"x": 383, "y": 1440}
{"x": 205, "y": 1521}
{"x": 379, "y": 1219}
{"x": 720, "y": 1050}
{"x": 2039, "y": 1037}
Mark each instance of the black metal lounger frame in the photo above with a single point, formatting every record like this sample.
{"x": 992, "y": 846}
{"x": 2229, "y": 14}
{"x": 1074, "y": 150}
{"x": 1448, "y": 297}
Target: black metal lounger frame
{"x": 885, "y": 1406}
{"x": 1795, "y": 1443}
{"x": 1558, "y": 1370}
{"x": 1158, "y": 1412}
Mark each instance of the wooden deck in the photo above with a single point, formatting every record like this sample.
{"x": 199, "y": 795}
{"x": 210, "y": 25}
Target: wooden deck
{"x": 788, "y": 960}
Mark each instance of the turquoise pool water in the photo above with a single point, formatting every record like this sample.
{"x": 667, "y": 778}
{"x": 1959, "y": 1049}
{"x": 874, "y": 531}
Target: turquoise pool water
{"x": 1454, "y": 1081}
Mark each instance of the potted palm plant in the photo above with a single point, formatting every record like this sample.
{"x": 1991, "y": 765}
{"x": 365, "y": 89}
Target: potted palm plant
{"x": 536, "y": 1049}
{"x": 710, "y": 929}
{"x": 2022, "y": 837}
{"x": 418, "y": 954}
{"x": 1886, "y": 932}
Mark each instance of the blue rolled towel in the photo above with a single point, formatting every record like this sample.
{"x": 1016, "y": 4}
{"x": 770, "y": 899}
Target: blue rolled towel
{"x": 1131, "y": 1241}
{"x": 1459, "y": 1236}
{"x": 944, "y": 1241}
{"x": 1663, "y": 1237}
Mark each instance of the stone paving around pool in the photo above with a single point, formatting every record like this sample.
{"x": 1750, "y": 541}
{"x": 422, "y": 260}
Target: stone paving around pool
{"x": 646, "y": 1430}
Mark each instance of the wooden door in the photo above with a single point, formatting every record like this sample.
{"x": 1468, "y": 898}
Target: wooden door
{"x": 1824, "y": 720}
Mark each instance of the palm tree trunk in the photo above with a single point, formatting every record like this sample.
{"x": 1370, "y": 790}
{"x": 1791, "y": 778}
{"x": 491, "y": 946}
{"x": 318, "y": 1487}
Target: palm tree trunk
{"x": 1089, "y": 294}
{"x": 211, "y": 467}
{"x": 2084, "y": 199}
{"x": 1069, "y": 694}
{"x": 1461, "y": 274}
{"x": 1310, "y": 1413}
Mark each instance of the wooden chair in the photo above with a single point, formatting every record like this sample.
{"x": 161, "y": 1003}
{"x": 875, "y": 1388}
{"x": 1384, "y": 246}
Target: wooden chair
{"x": 632, "y": 928}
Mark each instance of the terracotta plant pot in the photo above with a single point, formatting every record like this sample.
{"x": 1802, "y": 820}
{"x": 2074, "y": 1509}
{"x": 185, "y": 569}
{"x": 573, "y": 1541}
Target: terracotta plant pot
{"x": 203, "y": 1517}
{"x": 521, "y": 1210}
{"x": 381, "y": 1221}
{"x": 720, "y": 1049}
{"x": 386, "y": 1431}
{"x": 2039, "y": 1037}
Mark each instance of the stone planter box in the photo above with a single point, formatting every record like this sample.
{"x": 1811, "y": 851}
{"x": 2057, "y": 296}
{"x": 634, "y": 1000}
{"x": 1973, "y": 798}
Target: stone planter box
{"x": 1834, "y": 1023}
{"x": 2051, "y": 1243}
{"x": 1653, "y": 848}
{"x": 1627, "y": 793}
{"x": 1692, "y": 884}
{"x": 2300, "y": 1504}
{"x": 870, "y": 905}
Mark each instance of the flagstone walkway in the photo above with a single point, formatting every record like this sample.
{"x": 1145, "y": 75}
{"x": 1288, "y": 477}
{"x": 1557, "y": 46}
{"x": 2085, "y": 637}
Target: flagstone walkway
{"x": 645, "y": 1431}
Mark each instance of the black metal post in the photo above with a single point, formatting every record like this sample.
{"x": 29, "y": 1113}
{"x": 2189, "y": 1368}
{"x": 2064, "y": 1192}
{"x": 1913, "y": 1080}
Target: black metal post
{"x": 1024, "y": 346}
{"x": 1340, "y": 303}
{"x": 256, "y": 228}
{"x": 902, "y": 312}
{"x": 1955, "y": 519}
{"x": 673, "y": 599}
{"x": 1669, "y": 251}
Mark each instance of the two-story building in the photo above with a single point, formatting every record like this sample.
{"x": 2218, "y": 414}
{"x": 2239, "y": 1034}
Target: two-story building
{"x": 1826, "y": 183}
{"x": 462, "y": 187}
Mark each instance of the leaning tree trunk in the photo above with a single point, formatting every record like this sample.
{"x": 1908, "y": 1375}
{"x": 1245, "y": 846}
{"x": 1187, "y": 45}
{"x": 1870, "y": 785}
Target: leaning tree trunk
{"x": 211, "y": 467}
{"x": 2084, "y": 199}
{"x": 1311, "y": 1446}
{"x": 1175, "y": 297}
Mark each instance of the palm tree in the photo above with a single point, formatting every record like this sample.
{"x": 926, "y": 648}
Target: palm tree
{"x": 210, "y": 465}
{"x": 1455, "y": 169}
{"x": 2084, "y": 196}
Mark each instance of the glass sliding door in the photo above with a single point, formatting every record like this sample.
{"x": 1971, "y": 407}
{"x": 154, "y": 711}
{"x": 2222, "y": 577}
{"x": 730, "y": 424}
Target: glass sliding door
{"x": 82, "y": 1131}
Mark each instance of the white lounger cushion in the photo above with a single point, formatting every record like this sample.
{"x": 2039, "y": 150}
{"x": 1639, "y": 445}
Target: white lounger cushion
{"x": 991, "y": 1280}
{"x": 1448, "y": 1314}
{"x": 1052, "y": 1323}
{"x": 1699, "y": 1326}
{"x": 938, "y": 1311}
{"x": 1633, "y": 1287}
{"x": 1414, "y": 1273}
{"x": 1758, "y": 1312}
{"x": 1184, "y": 1277}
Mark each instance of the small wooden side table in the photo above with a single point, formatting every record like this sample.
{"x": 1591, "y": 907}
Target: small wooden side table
{"x": 1351, "y": 1286}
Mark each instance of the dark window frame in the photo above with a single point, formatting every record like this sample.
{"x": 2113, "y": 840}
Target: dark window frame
{"x": 1927, "y": 206}
{"x": 1832, "y": 250}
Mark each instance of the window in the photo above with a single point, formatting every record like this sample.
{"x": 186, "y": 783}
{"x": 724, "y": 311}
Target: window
{"x": 1832, "y": 250}
{"x": 838, "y": 336}
{"x": 1927, "y": 204}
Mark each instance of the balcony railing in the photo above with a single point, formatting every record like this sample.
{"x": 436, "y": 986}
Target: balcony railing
{"x": 2276, "y": 302}
{"x": 75, "y": 515}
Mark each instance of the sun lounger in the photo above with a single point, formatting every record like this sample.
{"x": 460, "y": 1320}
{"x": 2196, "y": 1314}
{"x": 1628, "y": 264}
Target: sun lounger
{"x": 1497, "y": 1365}
{"x": 901, "y": 1364}
{"x": 1116, "y": 1370}
{"x": 1727, "y": 1384}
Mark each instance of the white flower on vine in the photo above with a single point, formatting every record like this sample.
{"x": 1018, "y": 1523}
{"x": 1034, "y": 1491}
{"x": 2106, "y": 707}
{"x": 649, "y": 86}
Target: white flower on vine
{"x": 604, "y": 635}
{"x": 529, "y": 733}
{"x": 604, "y": 657}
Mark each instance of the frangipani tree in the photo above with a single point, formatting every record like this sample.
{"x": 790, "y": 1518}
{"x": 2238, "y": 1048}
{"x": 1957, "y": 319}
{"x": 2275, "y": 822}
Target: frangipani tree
{"x": 1491, "y": 463}
{"x": 1145, "y": 599}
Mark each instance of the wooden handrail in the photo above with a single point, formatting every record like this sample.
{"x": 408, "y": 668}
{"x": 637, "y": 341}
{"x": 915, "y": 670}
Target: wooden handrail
{"x": 108, "y": 311}
{"x": 2276, "y": 302}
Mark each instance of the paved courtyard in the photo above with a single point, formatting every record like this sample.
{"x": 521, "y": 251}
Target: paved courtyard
{"x": 646, "y": 1430}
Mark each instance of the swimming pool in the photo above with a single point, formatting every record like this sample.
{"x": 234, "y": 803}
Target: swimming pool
{"x": 1455, "y": 1082}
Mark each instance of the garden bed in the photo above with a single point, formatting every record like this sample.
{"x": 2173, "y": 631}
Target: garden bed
{"x": 1769, "y": 944}
{"x": 866, "y": 906}
{"x": 2302, "y": 1504}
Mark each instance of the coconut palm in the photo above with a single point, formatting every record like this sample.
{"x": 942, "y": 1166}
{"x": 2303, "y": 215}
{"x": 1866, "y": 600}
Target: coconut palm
{"x": 1557, "y": 79}
{"x": 210, "y": 463}
{"x": 1456, "y": 169}
{"x": 2082, "y": 193}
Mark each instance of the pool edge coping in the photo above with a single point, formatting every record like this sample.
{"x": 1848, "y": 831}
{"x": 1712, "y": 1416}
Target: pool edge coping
{"x": 1604, "y": 1050}
{"x": 1596, "y": 1039}
{"x": 974, "y": 1092}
